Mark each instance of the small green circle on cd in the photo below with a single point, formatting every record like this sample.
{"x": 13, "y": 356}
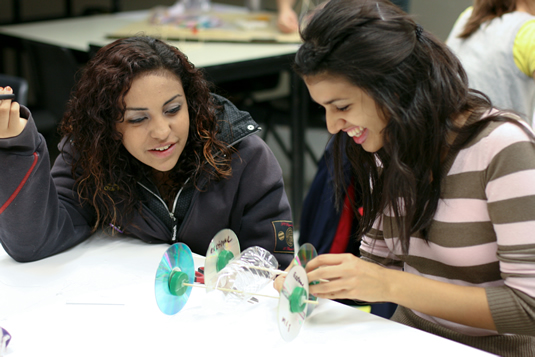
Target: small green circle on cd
{"x": 176, "y": 267}
{"x": 293, "y": 293}
{"x": 222, "y": 248}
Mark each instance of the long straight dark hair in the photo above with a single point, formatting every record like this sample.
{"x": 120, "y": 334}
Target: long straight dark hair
{"x": 486, "y": 10}
{"x": 419, "y": 86}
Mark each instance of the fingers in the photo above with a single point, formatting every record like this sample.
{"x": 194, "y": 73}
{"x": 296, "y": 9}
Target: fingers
{"x": 332, "y": 287}
{"x": 5, "y": 94}
{"x": 327, "y": 260}
{"x": 279, "y": 280}
{"x": 349, "y": 277}
{"x": 331, "y": 276}
{"x": 11, "y": 124}
{"x": 334, "y": 276}
{"x": 5, "y": 106}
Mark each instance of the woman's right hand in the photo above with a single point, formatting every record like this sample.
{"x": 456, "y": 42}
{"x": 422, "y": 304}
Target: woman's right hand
{"x": 11, "y": 124}
{"x": 348, "y": 277}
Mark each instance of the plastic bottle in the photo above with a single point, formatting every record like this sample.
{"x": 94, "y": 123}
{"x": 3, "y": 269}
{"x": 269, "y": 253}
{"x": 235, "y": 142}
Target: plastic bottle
{"x": 243, "y": 276}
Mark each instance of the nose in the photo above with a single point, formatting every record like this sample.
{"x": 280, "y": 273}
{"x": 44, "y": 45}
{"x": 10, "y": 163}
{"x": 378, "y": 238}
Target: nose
{"x": 334, "y": 123}
{"x": 160, "y": 128}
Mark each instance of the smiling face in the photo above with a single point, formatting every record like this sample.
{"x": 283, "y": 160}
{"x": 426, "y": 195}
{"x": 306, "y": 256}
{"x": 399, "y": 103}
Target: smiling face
{"x": 156, "y": 123}
{"x": 349, "y": 109}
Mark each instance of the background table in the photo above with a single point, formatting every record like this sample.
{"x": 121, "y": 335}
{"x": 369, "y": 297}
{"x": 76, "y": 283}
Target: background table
{"x": 97, "y": 299}
{"x": 221, "y": 61}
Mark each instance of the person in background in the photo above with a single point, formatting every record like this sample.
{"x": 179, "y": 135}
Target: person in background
{"x": 287, "y": 19}
{"x": 495, "y": 41}
{"x": 147, "y": 151}
{"x": 445, "y": 180}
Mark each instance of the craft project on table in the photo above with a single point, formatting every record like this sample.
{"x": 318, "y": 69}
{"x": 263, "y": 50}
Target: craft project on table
{"x": 209, "y": 26}
{"x": 238, "y": 277}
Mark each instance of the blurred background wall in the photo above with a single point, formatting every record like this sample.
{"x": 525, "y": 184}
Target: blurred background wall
{"x": 436, "y": 16}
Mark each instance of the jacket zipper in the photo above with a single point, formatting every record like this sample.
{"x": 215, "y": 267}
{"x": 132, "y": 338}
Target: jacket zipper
{"x": 175, "y": 226}
{"x": 173, "y": 238}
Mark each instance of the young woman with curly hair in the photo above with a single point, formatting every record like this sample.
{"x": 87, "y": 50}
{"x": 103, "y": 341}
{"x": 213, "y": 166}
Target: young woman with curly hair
{"x": 147, "y": 151}
{"x": 445, "y": 180}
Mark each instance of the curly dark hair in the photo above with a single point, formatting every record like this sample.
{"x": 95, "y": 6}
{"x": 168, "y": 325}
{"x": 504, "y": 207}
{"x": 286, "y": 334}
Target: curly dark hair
{"x": 106, "y": 173}
{"x": 421, "y": 88}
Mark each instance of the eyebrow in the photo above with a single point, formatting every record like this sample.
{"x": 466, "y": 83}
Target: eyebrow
{"x": 164, "y": 104}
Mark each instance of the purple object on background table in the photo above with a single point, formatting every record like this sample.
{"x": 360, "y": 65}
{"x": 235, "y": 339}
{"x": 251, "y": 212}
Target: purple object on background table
{"x": 5, "y": 337}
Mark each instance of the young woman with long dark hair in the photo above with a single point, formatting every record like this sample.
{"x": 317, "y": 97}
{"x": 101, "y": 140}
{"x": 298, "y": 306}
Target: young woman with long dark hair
{"x": 446, "y": 181}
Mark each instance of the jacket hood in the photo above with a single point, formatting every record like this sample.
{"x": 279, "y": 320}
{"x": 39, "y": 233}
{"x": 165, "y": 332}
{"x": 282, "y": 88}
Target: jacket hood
{"x": 234, "y": 124}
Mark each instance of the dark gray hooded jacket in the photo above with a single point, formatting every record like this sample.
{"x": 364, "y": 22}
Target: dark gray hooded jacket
{"x": 41, "y": 214}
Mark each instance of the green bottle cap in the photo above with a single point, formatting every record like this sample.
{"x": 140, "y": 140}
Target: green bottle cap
{"x": 297, "y": 300}
{"x": 176, "y": 283}
{"x": 223, "y": 258}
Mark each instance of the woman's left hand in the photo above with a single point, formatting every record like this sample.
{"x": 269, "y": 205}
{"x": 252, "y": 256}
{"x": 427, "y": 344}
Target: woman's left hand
{"x": 349, "y": 278}
{"x": 11, "y": 124}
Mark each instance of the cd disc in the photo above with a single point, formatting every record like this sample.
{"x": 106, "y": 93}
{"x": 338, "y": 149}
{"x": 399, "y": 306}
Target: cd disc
{"x": 223, "y": 248}
{"x": 306, "y": 253}
{"x": 176, "y": 267}
{"x": 292, "y": 306}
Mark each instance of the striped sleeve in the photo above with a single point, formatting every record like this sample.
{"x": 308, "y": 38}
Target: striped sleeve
{"x": 510, "y": 191}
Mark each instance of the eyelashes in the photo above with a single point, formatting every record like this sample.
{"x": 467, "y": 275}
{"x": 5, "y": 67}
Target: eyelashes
{"x": 171, "y": 111}
{"x": 137, "y": 120}
{"x": 174, "y": 109}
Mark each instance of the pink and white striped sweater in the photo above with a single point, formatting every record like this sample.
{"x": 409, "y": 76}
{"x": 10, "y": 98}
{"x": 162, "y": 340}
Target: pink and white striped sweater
{"x": 483, "y": 233}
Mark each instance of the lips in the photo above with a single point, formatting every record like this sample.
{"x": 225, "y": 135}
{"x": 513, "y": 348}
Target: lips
{"x": 361, "y": 138}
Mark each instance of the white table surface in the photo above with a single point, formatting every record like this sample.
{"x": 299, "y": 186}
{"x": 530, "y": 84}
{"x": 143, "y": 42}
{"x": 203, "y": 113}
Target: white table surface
{"x": 97, "y": 299}
{"x": 79, "y": 32}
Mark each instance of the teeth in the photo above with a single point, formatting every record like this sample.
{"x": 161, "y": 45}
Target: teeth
{"x": 357, "y": 131}
{"x": 163, "y": 148}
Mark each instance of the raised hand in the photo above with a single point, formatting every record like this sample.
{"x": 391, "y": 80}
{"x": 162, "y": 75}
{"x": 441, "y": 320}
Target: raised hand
{"x": 11, "y": 124}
